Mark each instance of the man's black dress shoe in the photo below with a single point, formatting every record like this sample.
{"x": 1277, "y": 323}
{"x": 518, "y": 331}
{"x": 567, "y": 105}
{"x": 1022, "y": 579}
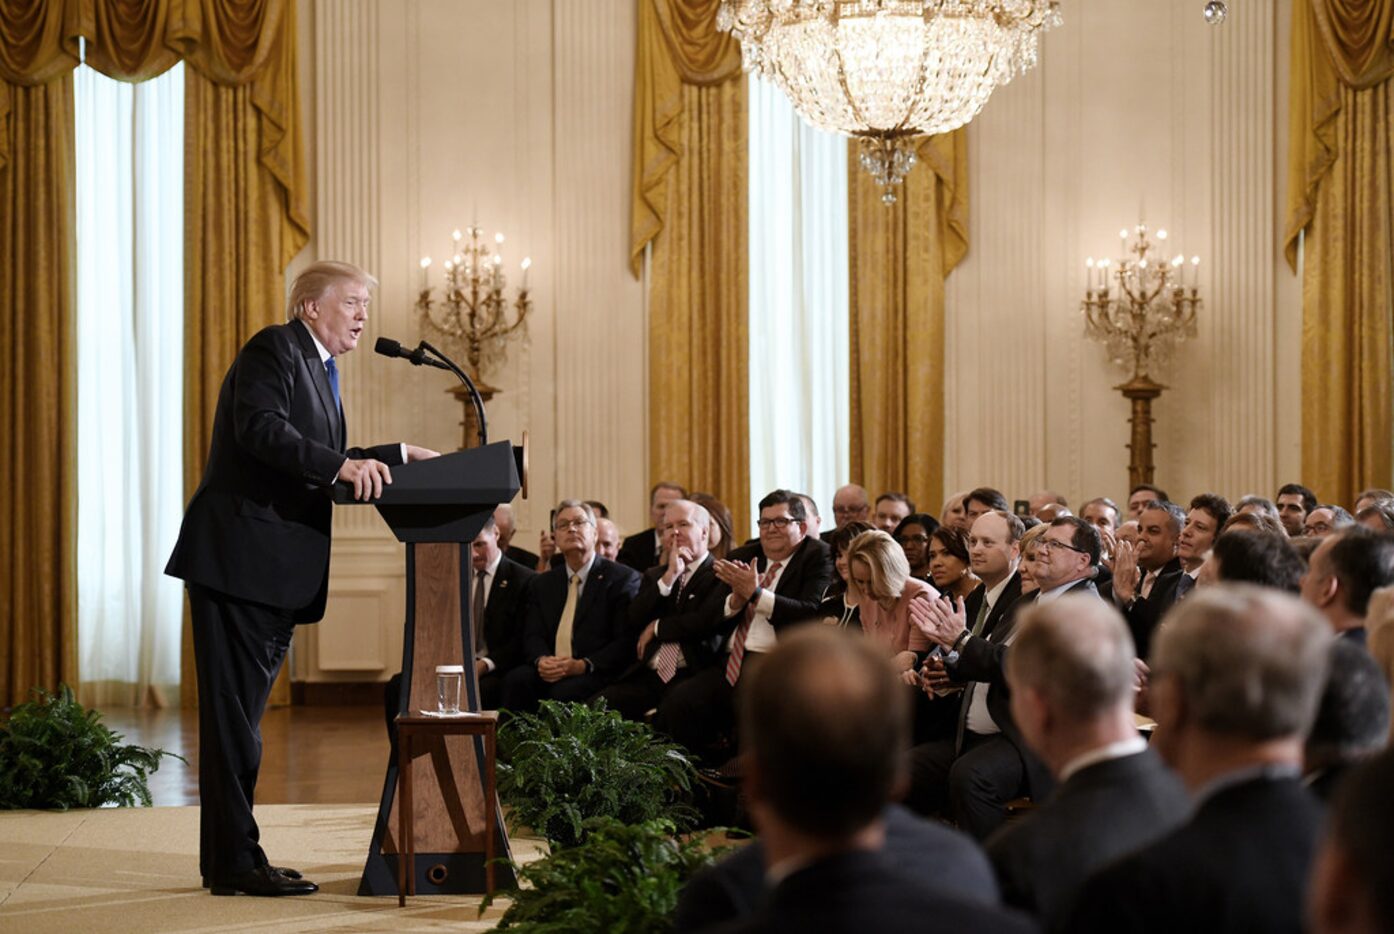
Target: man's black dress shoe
{"x": 264, "y": 881}
{"x": 283, "y": 870}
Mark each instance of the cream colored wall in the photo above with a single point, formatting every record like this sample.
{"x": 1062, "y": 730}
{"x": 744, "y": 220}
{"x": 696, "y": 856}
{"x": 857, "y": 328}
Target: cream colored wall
{"x": 1136, "y": 105}
{"x": 424, "y": 112}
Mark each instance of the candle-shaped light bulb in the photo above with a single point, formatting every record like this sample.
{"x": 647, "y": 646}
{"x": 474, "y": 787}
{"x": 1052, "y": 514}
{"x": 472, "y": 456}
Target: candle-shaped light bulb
{"x": 1178, "y": 260}
{"x": 498, "y": 260}
{"x": 1142, "y": 263}
{"x": 1195, "y": 260}
{"x": 456, "y": 235}
{"x": 1162, "y": 234}
{"x": 425, "y": 262}
{"x": 1123, "y": 234}
{"x": 498, "y": 238}
{"x": 425, "y": 280}
{"x": 526, "y": 264}
{"x": 1089, "y": 262}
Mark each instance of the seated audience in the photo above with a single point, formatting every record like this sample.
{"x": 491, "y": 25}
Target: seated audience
{"x": 1377, "y": 517}
{"x": 1043, "y": 498}
{"x": 814, "y": 521}
{"x": 891, "y": 509}
{"x": 1102, "y": 512}
{"x": 982, "y": 500}
{"x": 1294, "y": 502}
{"x": 1264, "y": 558}
{"x": 1344, "y": 570}
{"x": 1352, "y": 721}
{"x": 1052, "y": 511}
{"x": 1146, "y": 577}
{"x": 1028, "y": 544}
{"x": 879, "y": 583}
{"x": 953, "y": 514}
{"x": 1259, "y": 504}
{"x": 850, "y": 504}
{"x": 499, "y": 591}
{"x": 671, "y": 616}
{"x": 719, "y": 541}
{"x": 1367, "y": 498}
{"x": 503, "y": 520}
{"x": 990, "y": 764}
{"x": 836, "y": 607}
{"x": 1254, "y": 522}
{"x": 1071, "y": 674}
{"x": 1236, "y": 676}
{"x": 1325, "y": 519}
{"x": 600, "y": 509}
{"x": 950, "y": 568}
{"x": 1208, "y": 514}
{"x": 575, "y": 639}
{"x": 641, "y": 550}
{"x": 1352, "y": 889}
{"x": 824, "y": 730}
{"x": 607, "y": 539}
{"x": 1142, "y": 494}
{"x": 776, "y": 583}
{"x": 913, "y": 534}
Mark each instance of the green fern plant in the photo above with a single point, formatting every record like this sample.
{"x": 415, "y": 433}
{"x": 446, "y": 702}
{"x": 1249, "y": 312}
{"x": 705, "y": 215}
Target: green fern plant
{"x": 570, "y": 762}
{"x": 57, "y": 754}
{"x": 620, "y": 877}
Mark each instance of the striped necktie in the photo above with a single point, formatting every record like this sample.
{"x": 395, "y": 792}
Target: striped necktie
{"x": 737, "y": 655}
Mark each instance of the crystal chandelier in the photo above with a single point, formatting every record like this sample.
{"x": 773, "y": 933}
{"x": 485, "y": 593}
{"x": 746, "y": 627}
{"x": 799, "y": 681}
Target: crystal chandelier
{"x": 885, "y": 71}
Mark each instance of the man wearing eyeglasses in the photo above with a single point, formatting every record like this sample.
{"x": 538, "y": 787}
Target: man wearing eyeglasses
{"x": 850, "y": 504}
{"x": 773, "y": 583}
{"x": 575, "y": 639}
{"x": 993, "y": 764}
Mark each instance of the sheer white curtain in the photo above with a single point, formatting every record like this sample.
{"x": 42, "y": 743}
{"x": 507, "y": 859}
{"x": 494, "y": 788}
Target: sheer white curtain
{"x": 799, "y": 434}
{"x": 130, "y": 306}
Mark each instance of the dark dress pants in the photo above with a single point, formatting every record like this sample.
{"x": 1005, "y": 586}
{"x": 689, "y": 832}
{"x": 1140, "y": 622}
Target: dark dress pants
{"x": 239, "y": 647}
{"x": 523, "y": 688}
{"x": 973, "y": 788}
{"x": 640, "y": 691}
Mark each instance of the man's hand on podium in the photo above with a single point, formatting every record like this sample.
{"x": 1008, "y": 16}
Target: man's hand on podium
{"x": 366, "y": 476}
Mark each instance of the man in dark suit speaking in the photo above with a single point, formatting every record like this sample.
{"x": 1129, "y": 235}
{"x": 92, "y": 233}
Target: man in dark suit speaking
{"x": 254, "y": 548}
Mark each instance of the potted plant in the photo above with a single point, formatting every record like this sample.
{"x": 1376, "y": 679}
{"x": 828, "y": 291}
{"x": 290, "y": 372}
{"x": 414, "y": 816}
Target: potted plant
{"x": 56, "y": 754}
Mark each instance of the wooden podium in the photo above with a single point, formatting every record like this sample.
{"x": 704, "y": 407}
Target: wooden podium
{"x": 437, "y": 507}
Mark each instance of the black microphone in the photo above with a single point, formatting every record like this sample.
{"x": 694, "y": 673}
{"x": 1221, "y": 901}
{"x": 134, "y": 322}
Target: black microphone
{"x": 390, "y": 348}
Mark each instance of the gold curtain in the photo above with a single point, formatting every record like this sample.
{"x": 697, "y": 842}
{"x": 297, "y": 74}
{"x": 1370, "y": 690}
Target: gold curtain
{"x": 689, "y": 207}
{"x": 1340, "y": 194}
{"x": 38, "y": 387}
{"x": 899, "y": 257}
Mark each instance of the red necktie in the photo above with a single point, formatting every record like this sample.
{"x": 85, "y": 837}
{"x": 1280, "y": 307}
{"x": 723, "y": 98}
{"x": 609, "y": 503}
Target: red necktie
{"x": 733, "y": 661}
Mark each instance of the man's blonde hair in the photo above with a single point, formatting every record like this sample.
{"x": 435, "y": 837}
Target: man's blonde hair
{"x": 314, "y": 283}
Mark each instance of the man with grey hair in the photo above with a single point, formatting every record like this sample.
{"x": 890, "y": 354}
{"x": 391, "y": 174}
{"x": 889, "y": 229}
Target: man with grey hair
{"x": 1236, "y": 676}
{"x": 503, "y": 519}
{"x": 254, "y": 547}
{"x": 574, "y": 636}
{"x": 850, "y": 504}
{"x": 1072, "y": 680}
{"x": 672, "y": 616}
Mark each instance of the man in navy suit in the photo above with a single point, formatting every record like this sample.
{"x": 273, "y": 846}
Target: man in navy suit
{"x": 1237, "y": 672}
{"x": 574, "y": 638}
{"x": 254, "y": 548}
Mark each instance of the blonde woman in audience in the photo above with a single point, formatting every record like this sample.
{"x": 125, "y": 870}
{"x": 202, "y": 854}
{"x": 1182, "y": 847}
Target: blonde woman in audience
{"x": 1029, "y": 543}
{"x": 949, "y": 569}
{"x": 1379, "y": 632}
{"x": 879, "y": 583}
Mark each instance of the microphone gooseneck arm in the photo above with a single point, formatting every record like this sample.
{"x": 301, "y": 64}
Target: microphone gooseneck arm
{"x": 446, "y": 363}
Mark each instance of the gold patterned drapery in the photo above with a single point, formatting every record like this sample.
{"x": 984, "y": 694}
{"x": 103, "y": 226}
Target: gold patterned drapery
{"x": 899, "y": 256}
{"x": 1340, "y": 196}
{"x": 245, "y": 218}
{"x": 689, "y": 209}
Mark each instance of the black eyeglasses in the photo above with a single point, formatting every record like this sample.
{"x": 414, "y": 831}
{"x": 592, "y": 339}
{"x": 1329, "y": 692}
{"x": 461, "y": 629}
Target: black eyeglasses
{"x": 1046, "y": 544}
{"x": 781, "y": 522}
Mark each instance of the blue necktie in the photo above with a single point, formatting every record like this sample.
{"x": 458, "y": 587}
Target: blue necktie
{"x": 333, "y": 371}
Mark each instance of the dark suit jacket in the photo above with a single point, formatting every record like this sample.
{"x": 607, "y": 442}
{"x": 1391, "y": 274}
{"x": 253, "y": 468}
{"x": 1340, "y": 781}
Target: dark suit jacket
{"x": 982, "y": 660}
{"x": 862, "y": 891}
{"x": 946, "y": 862}
{"x": 1239, "y": 865}
{"x": 1102, "y": 812}
{"x": 1146, "y": 612}
{"x": 639, "y": 551}
{"x": 527, "y": 559}
{"x": 504, "y": 615}
{"x": 687, "y": 618}
{"x": 598, "y": 632}
{"x": 799, "y": 592}
{"x": 974, "y": 602}
{"x": 258, "y": 526}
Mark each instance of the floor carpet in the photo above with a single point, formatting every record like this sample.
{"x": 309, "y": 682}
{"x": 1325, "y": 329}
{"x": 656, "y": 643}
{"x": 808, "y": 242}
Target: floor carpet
{"x": 136, "y": 869}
